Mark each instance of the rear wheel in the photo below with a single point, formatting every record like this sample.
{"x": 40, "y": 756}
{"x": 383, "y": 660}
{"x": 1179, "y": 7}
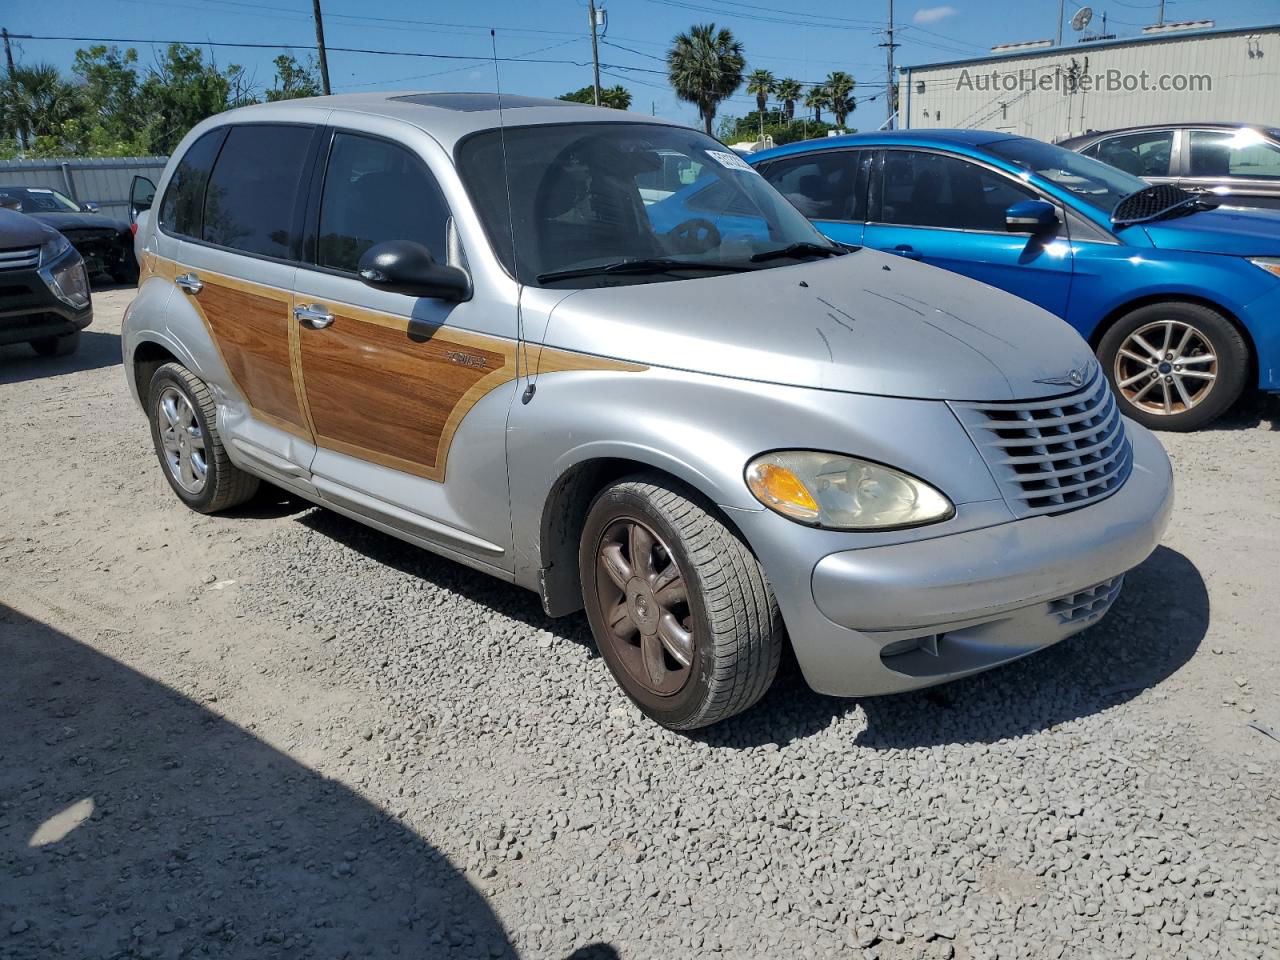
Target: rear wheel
{"x": 1175, "y": 366}
{"x": 62, "y": 346}
{"x": 679, "y": 606}
{"x": 185, "y": 433}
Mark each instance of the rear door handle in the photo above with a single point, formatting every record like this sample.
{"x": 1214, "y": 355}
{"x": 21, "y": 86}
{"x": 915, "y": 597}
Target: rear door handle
{"x": 189, "y": 282}
{"x": 906, "y": 250}
{"x": 313, "y": 315}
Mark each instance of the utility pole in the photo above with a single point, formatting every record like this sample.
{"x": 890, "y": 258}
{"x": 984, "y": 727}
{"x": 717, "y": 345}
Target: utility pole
{"x": 1061, "y": 10}
{"x": 8, "y": 54}
{"x": 595, "y": 49}
{"x": 324, "y": 61}
{"x": 889, "y": 46}
{"x": 1160, "y": 17}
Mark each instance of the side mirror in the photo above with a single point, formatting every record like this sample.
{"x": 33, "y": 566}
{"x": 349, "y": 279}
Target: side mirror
{"x": 1031, "y": 216}
{"x": 142, "y": 193}
{"x": 90, "y": 207}
{"x": 404, "y": 266}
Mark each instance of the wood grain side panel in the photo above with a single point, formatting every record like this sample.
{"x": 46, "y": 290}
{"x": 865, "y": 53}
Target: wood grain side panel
{"x": 393, "y": 395}
{"x": 252, "y": 330}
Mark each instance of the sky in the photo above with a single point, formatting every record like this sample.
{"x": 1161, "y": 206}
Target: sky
{"x": 804, "y": 39}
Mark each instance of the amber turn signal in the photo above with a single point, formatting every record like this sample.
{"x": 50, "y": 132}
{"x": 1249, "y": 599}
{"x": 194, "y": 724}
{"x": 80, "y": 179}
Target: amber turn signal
{"x": 777, "y": 487}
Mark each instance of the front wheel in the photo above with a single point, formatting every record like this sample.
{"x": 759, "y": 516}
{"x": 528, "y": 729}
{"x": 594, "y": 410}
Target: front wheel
{"x": 678, "y": 604}
{"x": 1175, "y": 366}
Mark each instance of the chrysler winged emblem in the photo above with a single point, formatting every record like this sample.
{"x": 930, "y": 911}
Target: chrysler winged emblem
{"x": 1072, "y": 378}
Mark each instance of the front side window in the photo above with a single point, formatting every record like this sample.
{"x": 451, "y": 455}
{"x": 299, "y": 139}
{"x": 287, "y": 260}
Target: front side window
{"x": 39, "y": 200}
{"x": 626, "y": 195}
{"x": 375, "y": 191}
{"x": 252, "y": 200}
{"x": 822, "y": 186}
{"x": 921, "y": 189}
{"x": 1091, "y": 181}
{"x": 184, "y": 196}
{"x": 1234, "y": 153}
{"x": 1141, "y": 154}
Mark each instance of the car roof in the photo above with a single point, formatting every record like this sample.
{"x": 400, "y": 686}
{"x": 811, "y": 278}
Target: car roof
{"x": 447, "y": 116}
{"x": 1138, "y": 128}
{"x": 912, "y": 138}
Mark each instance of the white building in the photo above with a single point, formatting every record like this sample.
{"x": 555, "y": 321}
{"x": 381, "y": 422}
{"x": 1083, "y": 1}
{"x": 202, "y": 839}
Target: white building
{"x": 1169, "y": 74}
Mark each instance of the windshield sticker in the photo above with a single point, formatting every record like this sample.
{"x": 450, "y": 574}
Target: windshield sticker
{"x": 730, "y": 160}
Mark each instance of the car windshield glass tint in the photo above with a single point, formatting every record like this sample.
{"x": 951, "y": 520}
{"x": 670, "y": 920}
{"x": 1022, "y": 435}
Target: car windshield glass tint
{"x": 600, "y": 194}
{"x": 1095, "y": 183}
{"x": 47, "y": 201}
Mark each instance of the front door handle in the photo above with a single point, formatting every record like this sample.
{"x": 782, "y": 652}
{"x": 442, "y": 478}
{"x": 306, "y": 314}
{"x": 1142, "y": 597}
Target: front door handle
{"x": 906, "y": 250}
{"x": 313, "y": 315}
{"x": 189, "y": 282}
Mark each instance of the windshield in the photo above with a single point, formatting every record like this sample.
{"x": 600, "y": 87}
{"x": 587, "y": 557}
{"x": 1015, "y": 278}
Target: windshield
{"x": 597, "y": 195}
{"x": 1096, "y": 183}
{"x": 39, "y": 200}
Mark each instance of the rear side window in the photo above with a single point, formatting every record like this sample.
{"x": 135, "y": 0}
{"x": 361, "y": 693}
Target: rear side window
{"x": 1144, "y": 154}
{"x": 251, "y": 203}
{"x": 375, "y": 191}
{"x": 822, "y": 186}
{"x": 184, "y": 196}
{"x": 1239, "y": 153}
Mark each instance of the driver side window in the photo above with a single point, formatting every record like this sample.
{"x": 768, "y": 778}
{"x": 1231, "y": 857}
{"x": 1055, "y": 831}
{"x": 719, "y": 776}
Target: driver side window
{"x": 922, "y": 189}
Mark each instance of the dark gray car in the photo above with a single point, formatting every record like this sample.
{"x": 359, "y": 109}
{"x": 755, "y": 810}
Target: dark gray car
{"x": 1239, "y": 162}
{"x": 105, "y": 242}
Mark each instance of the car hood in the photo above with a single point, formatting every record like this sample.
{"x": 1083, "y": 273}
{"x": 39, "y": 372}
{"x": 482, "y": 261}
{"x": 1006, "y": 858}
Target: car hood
{"x": 19, "y": 230}
{"x": 81, "y": 221}
{"x": 1235, "y": 231}
{"x": 863, "y": 323}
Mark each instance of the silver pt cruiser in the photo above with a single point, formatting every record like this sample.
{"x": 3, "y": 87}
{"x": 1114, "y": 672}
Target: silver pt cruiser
{"x": 596, "y": 355}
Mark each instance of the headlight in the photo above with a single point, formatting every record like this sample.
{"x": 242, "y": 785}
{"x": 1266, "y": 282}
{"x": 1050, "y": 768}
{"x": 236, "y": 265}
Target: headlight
{"x": 51, "y": 250}
{"x": 68, "y": 279}
{"x": 1269, "y": 264}
{"x": 830, "y": 490}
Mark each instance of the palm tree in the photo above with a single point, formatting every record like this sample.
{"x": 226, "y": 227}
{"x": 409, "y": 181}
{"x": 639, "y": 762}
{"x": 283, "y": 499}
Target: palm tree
{"x": 35, "y": 102}
{"x": 618, "y": 97}
{"x": 817, "y": 98}
{"x": 705, "y": 67}
{"x": 840, "y": 88}
{"x": 761, "y": 83}
{"x": 789, "y": 91}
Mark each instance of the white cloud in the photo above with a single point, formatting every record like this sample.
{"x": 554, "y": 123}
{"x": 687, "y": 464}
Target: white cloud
{"x": 933, "y": 14}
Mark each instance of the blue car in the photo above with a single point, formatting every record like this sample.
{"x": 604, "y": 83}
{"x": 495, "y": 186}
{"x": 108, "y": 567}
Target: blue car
{"x": 1179, "y": 299}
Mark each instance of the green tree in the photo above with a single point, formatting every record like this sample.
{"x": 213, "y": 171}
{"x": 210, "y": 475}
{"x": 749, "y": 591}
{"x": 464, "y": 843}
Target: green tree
{"x": 789, "y": 91}
{"x": 816, "y": 99}
{"x": 294, "y": 79}
{"x": 180, "y": 92}
{"x": 109, "y": 83}
{"x": 581, "y": 95}
{"x": 705, "y": 68}
{"x": 840, "y": 89}
{"x": 618, "y": 97}
{"x": 761, "y": 83}
{"x": 36, "y": 106}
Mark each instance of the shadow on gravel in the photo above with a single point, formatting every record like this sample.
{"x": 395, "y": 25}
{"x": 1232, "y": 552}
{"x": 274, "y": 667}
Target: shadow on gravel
{"x": 499, "y": 596}
{"x": 1254, "y": 409}
{"x": 137, "y": 823}
{"x": 18, "y": 362}
{"x": 1154, "y": 628}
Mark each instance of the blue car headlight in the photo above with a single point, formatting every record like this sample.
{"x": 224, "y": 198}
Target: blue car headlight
{"x": 1269, "y": 264}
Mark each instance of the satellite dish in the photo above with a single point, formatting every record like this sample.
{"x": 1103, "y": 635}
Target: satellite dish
{"x": 1082, "y": 18}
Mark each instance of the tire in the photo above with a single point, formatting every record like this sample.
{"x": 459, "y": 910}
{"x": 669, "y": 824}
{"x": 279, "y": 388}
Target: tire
{"x": 1211, "y": 336}
{"x": 62, "y": 346}
{"x": 729, "y": 613}
{"x": 224, "y": 484}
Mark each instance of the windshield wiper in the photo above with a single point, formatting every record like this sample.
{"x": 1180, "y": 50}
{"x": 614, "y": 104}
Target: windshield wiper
{"x": 641, "y": 265}
{"x": 799, "y": 250}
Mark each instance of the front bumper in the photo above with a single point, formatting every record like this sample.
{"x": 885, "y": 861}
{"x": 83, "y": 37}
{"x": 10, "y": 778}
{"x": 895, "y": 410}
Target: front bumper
{"x": 892, "y": 618}
{"x": 29, "y": 310}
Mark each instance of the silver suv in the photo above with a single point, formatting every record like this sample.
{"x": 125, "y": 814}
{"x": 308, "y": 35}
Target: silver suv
{"x": 598, "y": 356}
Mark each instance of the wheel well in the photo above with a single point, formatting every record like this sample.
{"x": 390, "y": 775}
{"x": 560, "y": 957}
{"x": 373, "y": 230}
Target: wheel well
{"x": 565, "y": 512}
{"x": 1110, "y": 319}
{"x": 147, "y": 359}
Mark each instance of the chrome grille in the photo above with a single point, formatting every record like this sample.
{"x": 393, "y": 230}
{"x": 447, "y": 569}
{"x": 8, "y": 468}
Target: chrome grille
{"x": 1087, "y": 604}
{"x": 19, "y": 259}
{"x": 1054, "y": 455}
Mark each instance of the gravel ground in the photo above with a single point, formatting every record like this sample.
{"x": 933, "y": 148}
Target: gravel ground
{"x": 280, "y": 734}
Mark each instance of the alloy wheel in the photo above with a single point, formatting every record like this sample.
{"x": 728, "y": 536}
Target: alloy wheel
{"x": 182, "y": 440}
{"x": 644, "y": 599}
{"x": 1166, "y": 367}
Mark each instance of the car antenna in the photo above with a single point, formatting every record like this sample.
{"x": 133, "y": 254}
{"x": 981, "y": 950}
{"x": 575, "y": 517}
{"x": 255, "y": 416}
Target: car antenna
{"x": 511, "y": 223}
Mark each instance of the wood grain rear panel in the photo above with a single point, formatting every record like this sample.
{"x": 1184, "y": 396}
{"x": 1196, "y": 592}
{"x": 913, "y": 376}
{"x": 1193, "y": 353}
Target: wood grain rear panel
{"x": 252, "y": 329}
{"x": 392, "y": 395}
